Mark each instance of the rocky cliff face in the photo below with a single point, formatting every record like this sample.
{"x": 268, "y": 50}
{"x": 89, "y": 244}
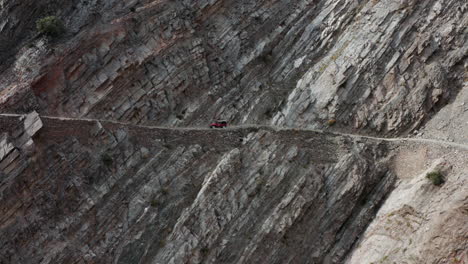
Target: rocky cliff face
{"x": 379, "y": 65}
{"x": 102, "y": 184}
{"x": 103, "y": 192}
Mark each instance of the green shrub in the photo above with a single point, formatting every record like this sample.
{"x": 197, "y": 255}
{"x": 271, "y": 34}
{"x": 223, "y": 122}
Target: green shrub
{"x": 50, "y": 26}
{"x": 106, "y": 159}
{"x": 436, "y": 177}
{"x": 162, "y": 243}
{"x": 154, "y": 203}
{"x": 204, "y": 251}
{"x": 164, "y": 191}
{"x": 267, "y": 57}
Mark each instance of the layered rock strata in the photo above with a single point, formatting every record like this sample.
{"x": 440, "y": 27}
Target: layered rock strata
{"x": 381, "y": 66}
{"x": 102, "y": 192}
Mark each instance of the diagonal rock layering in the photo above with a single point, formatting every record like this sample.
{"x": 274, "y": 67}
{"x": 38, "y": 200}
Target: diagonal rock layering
{"x": 378, "y": 65}
{"x": 173, "y": 196}
{"x": 155, "y": 195}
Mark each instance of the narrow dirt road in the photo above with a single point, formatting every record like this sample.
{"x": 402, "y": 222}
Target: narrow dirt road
{"x": 275, "y": 128}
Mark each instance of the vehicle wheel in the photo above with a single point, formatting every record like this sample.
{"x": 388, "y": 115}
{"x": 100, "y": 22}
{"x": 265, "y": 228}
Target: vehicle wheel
{"x": 211, "y": 126}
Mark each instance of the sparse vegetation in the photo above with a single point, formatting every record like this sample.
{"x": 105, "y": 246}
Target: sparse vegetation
{"x": 154, "y": 203}
{"x": 50, "y": 26}
{"x": 259, "y": 183}
{"x": 90, "y": 179}
{"x": 267, "y": 57}
{"x": 167, "y": 145}
{"x": 436, "y": 177}
{"x": 269, "y": 113}
{"x": 204, "y": 251}
{"x": 162, "y": 243}
{"x": 107, "y": 159}
{"x": 380, "y": 261}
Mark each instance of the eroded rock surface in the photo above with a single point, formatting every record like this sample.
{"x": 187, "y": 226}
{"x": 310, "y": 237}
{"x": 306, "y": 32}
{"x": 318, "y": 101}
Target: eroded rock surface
{"x": 420, "y": 222}
{"x": 378, "y": 65}
{"x": 193, "y": 196}
{"x": 103, "y": 186}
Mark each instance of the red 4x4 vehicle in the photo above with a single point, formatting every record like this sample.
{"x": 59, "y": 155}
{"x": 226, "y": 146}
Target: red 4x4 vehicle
{"x": 219, "y": 124}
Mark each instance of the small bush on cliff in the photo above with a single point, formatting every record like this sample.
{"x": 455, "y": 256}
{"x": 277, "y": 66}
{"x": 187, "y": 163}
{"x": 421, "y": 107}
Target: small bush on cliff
{"x": 154, "y": 203}
{"x": 106, "y": 159}
{"x": 267, "y": 58}
{"x": 204, "y": 251}
{"x": 162, "y": 243}
{"x": 50, "y": 26}
{"x": 164, "y": 191}
{"x": 436, "y": 177}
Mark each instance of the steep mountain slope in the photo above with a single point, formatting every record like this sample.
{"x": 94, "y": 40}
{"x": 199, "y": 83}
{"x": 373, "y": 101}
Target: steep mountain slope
{"x": 103, "y": 184}
{"x": 103, "y": 192}
{"x": 382, "y": 65}
{"x": 419, "y": 222}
